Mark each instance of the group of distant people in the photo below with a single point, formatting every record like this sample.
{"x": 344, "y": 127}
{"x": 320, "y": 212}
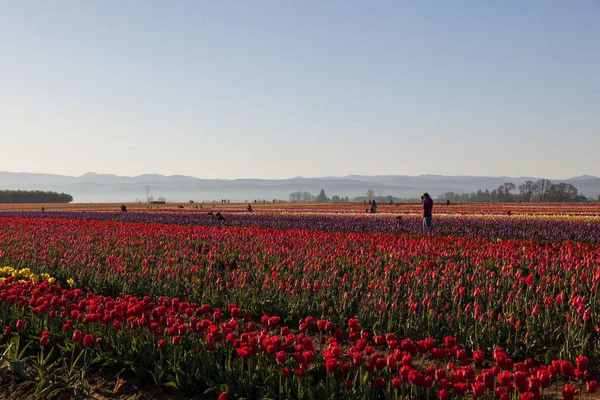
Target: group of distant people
{"x": 427, "y": 203}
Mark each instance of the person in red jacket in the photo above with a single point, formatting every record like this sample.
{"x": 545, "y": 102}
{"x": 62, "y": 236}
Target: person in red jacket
{"x": 427, "y": 209}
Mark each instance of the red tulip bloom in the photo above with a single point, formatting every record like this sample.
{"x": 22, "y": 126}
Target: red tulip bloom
{"x": 440, "y": 374}
{"x": 444, "y": 394}
{"x": 569, "y": 392}
{"x": 20, "y": 325}
{"x": 45, "y": 338}
{"x": 566, "y": 368}
{"x": 582, "y": 363}
{"x": 77, "y": 336}
{"x": 450, "y": 341}
{"x": 379, "y": 383}
{"x": 345, "y": 367}
{"x": 391, "y": 362}
{"x": 223, "y": 396}
{"x": 88, "y": 340}
{"x": 331, "y": 364}
{"x": 162, "y": 344}
{"x": 460, "y": 388}
{"x": 407, "y": 361}
{"x": 591, "y": 386}
{"x": 479, "y": 389}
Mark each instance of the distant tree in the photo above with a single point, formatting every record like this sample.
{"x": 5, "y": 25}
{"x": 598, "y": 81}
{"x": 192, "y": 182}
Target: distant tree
{"x": 562, "y": 193}
{"x": 370, "y": 194}
{"x": 322, "y": 197}
{"x": 542, "y": 187}
{"x": 526, "y": 190}
{"x": 33, "y": 196}
{"x": 301, "y": 197}
{"x": 336, "y": 199}
{"x": 494, "y": 195}
{"x": 508, "y": 186}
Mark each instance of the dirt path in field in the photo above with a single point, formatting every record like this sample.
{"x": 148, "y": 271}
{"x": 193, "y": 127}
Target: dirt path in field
{"x": 103, "y": 388}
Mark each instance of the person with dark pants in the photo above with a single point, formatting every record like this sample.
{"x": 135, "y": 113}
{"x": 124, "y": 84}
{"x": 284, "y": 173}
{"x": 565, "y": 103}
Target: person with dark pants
{"x": 427, "y": 211}
{"x": 373, "y": 207}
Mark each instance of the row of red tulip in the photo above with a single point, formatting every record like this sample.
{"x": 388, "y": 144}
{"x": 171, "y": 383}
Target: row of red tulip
{"x": 315, "y": 351}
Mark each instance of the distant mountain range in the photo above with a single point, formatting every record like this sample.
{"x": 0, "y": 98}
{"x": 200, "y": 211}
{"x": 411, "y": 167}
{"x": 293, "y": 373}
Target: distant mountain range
{"x": 93, "y": 187}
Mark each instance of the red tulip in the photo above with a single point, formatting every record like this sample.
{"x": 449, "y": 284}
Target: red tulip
{"x": 331, "y": 364}
{"x": 77, "y": 336}
{"x": 20, "y": 325}
{"x": 88, "y": 340}
{"x": 479, "y": 389}
{"x": 591, "y": 386}
{"x": 45, "y": 338}
{"x": 444, "y": 394}
{"x": 569, "y": 392}
{"x": 582, "y": 363}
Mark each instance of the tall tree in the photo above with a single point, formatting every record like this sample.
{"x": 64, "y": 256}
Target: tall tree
{"x": 322, "y": 197}
{"x": 526, "y": 190}
{"x": 370, "y": 194}
{"x": 542, "y": 187}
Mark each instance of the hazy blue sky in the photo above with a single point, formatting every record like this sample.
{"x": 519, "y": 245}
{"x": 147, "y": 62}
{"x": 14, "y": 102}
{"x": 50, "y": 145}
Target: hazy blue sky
{"x": 282, "y": 88}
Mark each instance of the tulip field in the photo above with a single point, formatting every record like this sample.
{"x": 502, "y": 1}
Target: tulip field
{"x": 304, "y": 301}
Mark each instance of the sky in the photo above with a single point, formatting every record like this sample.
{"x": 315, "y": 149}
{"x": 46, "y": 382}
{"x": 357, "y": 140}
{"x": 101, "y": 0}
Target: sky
{"x": 278, "y": 89}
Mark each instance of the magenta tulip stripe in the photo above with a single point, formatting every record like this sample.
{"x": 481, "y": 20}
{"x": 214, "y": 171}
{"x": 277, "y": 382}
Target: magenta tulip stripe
{"x": 476, "y": 226}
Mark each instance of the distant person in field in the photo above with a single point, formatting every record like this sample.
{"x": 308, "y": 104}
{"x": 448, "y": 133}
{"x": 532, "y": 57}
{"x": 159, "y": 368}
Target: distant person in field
{"x": 427, "y": 211}
{"x": 123, "y": 208}
{"x": 447, "y": 202}
{"x": 373, "y": 207}
{"x": 249, "y": 208}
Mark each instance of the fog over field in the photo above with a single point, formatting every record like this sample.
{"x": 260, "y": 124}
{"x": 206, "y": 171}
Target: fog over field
{"x": 92, "y": 187}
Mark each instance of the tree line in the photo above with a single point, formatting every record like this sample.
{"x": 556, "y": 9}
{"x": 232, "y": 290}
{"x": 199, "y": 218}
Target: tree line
{"x": 542, "y": 190}
{"x": 306, "y": 197}
{"x": 33, "y": 196}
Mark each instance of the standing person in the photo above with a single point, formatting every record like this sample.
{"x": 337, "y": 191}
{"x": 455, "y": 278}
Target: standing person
{"x": 427, "y": 209}
{"x": 373, "y": 207}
